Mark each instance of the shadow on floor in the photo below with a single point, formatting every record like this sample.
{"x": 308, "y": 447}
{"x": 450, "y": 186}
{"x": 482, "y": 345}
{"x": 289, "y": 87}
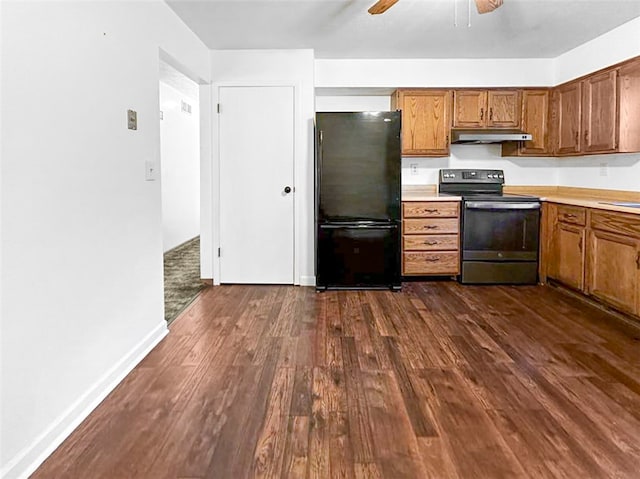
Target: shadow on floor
{"x": 182, "y": 281}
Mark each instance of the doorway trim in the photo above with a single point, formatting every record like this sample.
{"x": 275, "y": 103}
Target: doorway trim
{"x": 298, "y": 159}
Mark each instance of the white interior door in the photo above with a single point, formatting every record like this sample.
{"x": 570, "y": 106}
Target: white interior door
{"x": 256, "y": 168}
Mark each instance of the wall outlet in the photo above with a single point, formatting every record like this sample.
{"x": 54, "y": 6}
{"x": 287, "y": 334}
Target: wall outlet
{"x": 604, "y": 169}
{"x": 413, "y": 167}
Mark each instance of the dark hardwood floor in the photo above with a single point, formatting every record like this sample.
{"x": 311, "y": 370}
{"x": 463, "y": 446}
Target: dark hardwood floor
{"x": 438, "y": 381}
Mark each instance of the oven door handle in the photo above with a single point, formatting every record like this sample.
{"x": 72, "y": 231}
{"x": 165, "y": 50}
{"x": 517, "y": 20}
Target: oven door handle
{"x": 500, "y": 205}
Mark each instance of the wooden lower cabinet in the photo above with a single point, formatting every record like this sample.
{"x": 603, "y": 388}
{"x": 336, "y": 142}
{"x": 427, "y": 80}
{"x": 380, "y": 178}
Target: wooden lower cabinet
{"x": 614, "y": 270}
{"x": 596, "y": 252}
{"x": 570, "y": 257}
{"x": 566, "y": 258}
{"x": 430, "y": 238}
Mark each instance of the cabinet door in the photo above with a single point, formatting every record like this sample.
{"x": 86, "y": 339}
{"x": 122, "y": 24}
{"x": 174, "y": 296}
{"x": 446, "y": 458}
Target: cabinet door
{"x": 613, "y": 269}
{"x": 425, "y": 122}
{"x": 535, "y": 120}
{"x": 569, "y": 110}
{"x": 568, "y": 255}
{"x": 504, "y": 108}
{"x": 470, "y": 108}
{"x": 629, "y": 111}
{"x": 600, "y": 113}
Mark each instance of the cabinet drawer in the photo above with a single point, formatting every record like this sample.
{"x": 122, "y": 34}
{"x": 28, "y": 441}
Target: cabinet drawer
{"x": 426, "y": 263}
{"x": 430, "y": 226}
{"x": 433, "y": 209}
{"x": 572, "y": 214}
{"x": 623, "y": 224}
{"x": 430, "y": 242}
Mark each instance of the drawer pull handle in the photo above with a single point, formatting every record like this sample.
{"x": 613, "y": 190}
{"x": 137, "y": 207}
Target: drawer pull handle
{"x": 432, "y": 260}
{"x": 481, "y": 113}
{"x": 431, "y": 243}
{"x": 430, "y": 227}
{"x": 430, "y": 211}
{"x": 570, "y": 215}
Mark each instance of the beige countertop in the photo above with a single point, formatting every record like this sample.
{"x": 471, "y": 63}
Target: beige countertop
{"x": 585, "y": 197}
{"x": 425, "y": 193}
{"x": 601, "y": 204}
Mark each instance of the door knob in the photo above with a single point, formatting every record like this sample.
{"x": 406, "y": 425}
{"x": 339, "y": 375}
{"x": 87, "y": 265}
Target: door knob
{"x": 287, "y": 189}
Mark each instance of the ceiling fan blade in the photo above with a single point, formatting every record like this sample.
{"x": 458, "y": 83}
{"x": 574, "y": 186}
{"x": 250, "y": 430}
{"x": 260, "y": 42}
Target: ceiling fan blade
{"x": 381, "y": 6}
{"x": 486, "y": 6}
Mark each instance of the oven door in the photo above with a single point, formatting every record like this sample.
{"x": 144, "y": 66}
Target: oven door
{"x": 500, "y": 231}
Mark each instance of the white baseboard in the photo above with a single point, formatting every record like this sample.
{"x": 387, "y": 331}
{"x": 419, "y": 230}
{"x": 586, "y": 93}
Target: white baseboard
{"x": 307, "y": 280}
{"x": 29, "y": 459}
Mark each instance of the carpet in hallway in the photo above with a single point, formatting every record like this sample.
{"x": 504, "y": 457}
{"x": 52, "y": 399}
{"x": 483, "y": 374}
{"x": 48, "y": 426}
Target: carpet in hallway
{"x": 181, "y": 277}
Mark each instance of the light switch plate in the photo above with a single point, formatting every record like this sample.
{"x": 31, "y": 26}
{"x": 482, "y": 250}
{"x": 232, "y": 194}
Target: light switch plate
{"x": 132, "y": 119}
{"x": 150, "y": 170}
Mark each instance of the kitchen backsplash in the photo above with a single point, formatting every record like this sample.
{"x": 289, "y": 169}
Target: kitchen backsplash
{"x": 518, "y": 171}
{"x": 614, "y": 172}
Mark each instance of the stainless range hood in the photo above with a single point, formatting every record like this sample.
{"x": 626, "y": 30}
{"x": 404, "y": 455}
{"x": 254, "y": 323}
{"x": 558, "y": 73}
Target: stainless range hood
{"x": 477, "y": 136}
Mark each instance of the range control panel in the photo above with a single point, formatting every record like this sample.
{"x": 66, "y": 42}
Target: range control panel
{"x": 472, "y": 176}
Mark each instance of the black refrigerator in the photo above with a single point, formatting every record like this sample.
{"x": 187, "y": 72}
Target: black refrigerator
{"x": 358, "y": 200}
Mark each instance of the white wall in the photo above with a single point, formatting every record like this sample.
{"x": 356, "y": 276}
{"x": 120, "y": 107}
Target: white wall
{"x": 608, "y": 49}
{"x": 517, "y": 171}
{"x": 180, "y": 167}
{"x": 451, "y": 73}
{"x": 82, "y": 234}
{"x": 623, "y": 172}
{"x": 353, "y": 103}
{"x": 275, "y": 67}
{"x": 611, "y": 172}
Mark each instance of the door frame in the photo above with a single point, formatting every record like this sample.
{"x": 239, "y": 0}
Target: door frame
{"x": 298, "y": 159}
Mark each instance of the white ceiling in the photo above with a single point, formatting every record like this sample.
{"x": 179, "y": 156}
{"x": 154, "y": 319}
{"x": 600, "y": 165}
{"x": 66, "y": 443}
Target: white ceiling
{"x": 410, "y": 29}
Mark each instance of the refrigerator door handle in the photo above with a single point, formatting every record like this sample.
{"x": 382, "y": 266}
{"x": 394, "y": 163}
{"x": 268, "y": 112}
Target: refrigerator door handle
{"x": 319, "y": 171}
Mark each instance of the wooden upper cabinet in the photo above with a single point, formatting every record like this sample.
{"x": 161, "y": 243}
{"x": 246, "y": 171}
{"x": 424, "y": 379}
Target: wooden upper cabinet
{"x": 486, "y": 109}
{"x": 469, "y": 108}
{"x": 568, "y": 117}
{"x": 425, "y": 121}
{"x": 629, "y": 107}
{"x": 536, "y": 113}
{"x": 504, "y": 108}
{"x": 600, "y": 112}
{"x": 535, "y": 120}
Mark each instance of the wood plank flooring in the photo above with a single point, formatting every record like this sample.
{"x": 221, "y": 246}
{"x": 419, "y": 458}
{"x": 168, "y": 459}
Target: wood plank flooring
{"x": 438, "y": 381}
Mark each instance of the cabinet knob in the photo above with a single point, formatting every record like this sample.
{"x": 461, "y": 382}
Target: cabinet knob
{"x": 482, "y": 113}
{"x": 638, "y": 260}
{"x": 490, "y": 113}
{"x": 287, "y": 189}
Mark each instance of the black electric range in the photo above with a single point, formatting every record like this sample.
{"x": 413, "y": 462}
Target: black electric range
{"x": 499, "y": 231}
